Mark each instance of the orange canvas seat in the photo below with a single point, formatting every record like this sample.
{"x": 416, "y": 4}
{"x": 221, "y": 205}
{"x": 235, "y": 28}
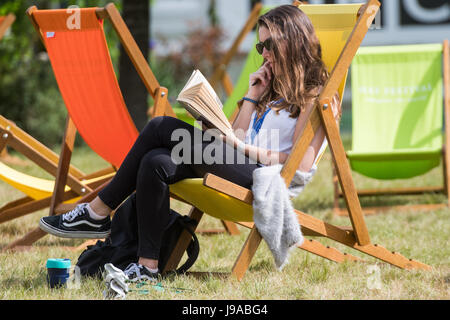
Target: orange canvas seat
{"x": 83, "y": 70}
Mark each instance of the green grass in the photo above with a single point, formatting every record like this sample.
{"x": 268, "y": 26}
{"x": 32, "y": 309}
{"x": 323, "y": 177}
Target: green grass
{"x": 423, "y": 236}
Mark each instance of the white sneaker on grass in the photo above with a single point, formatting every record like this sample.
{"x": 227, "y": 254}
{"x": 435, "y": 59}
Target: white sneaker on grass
{"x": 137, "y": 272}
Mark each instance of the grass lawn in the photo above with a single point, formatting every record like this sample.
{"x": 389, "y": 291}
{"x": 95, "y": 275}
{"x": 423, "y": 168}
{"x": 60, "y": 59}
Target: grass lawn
{"x": 423, "y": 236}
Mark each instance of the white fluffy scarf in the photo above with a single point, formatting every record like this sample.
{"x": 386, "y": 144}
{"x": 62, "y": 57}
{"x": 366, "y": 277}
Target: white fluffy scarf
{"x": 273, "y": 212}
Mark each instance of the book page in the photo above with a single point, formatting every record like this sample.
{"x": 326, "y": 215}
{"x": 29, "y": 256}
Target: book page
{"x": 201, "y": 101}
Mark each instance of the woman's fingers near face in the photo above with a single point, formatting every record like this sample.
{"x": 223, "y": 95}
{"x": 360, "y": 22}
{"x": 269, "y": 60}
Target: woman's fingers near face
{"x": 261, "y": 76}
{"x": 267, "y": 67}
{"x": 264, "y": 77}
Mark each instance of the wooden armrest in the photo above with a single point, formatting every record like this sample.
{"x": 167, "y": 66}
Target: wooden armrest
{"x": 229, "y": 188}
{"x": 311, "y": 226}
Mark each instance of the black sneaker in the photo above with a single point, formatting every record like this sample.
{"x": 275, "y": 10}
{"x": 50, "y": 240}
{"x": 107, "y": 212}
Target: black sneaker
{"x": 137, "y": 272}
{"x": 76, "y": 224}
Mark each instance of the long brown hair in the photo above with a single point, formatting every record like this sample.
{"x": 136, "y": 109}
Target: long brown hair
{"x": 298, "y": 70}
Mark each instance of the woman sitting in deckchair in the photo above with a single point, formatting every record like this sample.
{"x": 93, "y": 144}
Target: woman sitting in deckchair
{"x": 284, "y": 87}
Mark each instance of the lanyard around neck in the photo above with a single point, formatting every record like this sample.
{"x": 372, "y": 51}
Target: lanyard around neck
{"x": 257, "y": 122}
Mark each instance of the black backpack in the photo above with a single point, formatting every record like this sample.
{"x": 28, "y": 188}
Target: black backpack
{"x": 120, "y": 248}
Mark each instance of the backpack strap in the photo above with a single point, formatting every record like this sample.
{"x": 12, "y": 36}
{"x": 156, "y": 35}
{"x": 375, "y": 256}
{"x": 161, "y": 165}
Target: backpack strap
{"x": 194, "y": 246}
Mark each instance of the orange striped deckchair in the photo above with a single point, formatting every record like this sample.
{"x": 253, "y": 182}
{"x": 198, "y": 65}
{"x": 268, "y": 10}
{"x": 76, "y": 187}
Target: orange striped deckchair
{"x": 79, "y": 55}
{"x": 38, "y": 191}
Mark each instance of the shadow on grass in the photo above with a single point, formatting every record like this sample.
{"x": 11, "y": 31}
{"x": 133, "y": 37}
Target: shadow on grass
{"x": 265, "y": 264}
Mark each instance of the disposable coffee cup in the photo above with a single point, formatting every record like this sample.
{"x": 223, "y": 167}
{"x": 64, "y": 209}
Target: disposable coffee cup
{"x": 58, "y": 272}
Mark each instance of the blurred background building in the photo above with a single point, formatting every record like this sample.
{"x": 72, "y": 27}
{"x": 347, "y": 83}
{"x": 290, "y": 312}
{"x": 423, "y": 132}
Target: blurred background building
{"x": 399, "y": 21}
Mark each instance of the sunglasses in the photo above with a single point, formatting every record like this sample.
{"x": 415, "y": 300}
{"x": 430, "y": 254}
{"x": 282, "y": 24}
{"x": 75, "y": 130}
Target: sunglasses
{"x": 266, "y": 44}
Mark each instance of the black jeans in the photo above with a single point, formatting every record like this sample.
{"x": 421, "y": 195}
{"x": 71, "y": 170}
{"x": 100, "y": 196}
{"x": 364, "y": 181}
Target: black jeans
{"x": 149, "y": 169}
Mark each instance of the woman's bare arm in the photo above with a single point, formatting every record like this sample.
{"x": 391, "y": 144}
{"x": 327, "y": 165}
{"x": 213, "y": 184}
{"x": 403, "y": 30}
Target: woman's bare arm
{"x": 242, "y": 120}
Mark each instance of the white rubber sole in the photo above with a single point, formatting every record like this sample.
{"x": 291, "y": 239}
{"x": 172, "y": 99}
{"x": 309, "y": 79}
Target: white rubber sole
{"x": 72, "y": 234}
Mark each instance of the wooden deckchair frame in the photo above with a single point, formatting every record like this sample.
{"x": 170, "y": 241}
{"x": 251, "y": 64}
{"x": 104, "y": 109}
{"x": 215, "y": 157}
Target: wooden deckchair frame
{"x": 356, "y": 237}
{"x": 14, "y": 137}
{"x": 444, "y": 188}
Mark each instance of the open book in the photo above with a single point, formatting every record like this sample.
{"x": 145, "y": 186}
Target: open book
{"x": 202, "y": 102}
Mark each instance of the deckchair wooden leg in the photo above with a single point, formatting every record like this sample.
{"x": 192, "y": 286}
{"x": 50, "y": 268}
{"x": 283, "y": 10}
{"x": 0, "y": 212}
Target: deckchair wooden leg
{"x": 315, "y": 247}
{"x": 368, "y": 211}
{"x": 347, "y": 238}
{"x": 247, "y": 252}
{"x": 58, "y": 193}
{"x": 344, "y": 175}
{"x": 336, "y": 206}
{"x": 327, "y": 252}
{"x": 366, "y": 17}
{"x": 30, "y": 238}
{"x": 63, "y": 165}
{"x": 21, "y": 207}
{"x": 445, "y": 173}
{"x": 230, "y": 227}
{"x": 391, "y": 257}
{"x": 15, "y": 203}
